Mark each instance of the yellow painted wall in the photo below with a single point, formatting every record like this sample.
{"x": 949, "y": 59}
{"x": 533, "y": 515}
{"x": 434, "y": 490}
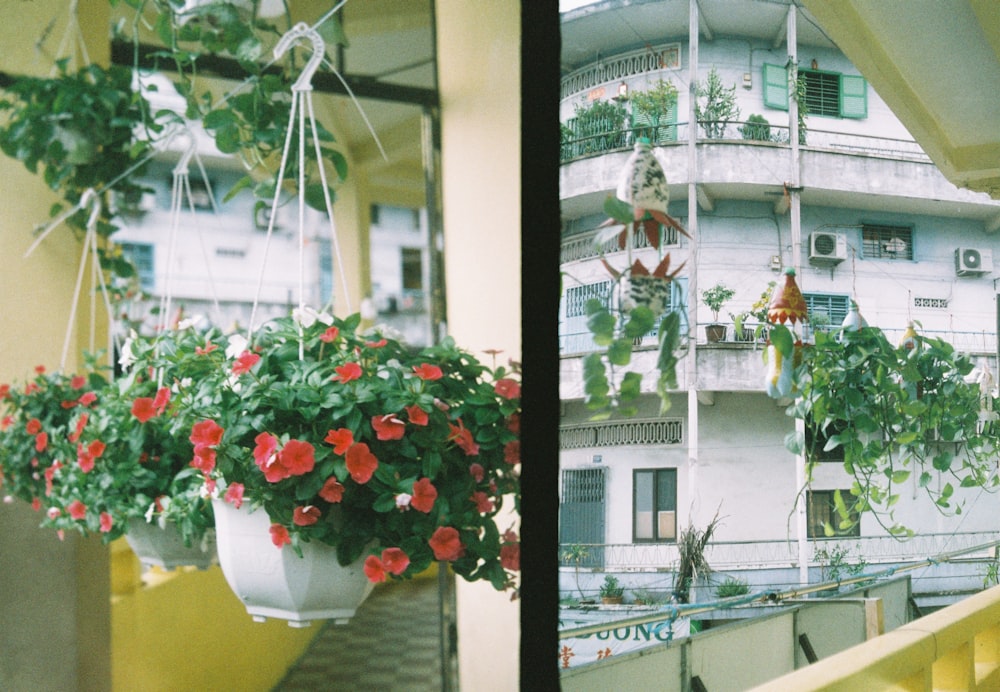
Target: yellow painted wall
{"x": 479, "y": 71}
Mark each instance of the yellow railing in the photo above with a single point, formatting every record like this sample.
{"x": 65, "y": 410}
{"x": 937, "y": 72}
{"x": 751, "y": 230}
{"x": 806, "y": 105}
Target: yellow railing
{"x": 956, "y": 648}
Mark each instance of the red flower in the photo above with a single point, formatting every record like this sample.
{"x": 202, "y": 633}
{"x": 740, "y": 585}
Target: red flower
{"x": 81, "y": 422}
{"x": 374, "y": 569}
{"x": 7, "y": 421}
{"x": 4, "y": 391}
{"x": 361, "y": 463}
{"x": 77, "y": 382}
{"x": 279, "y": 535}
{"x": 245, "y": 362}
{"x": 204, "y": 459}
{"x": 30, "y": 388}
{"x": 234, "y": 494}
{"x": 341, "y": 440}
{"x": 332, "y": 490}
{"x": 512, "y": 452}
{"x": 446, "y": 544}
{"x": 329, "y": 335}
{"x": 209, "y": 486}
{"x": 106, "y": 522}
{"x": 477, "y": 472}
{"x": 463, "y": 438}
{"x": 484, "y": 503}
{"x": 85, "y": 456}
{"x": 209, "y": 347}
{"x": 50, "y": 473}
{"x": 426, "y": 371}
{"x": 510, "y": 556}
{"x": 40, "y": 369}
{"x": 395, "y": 560}
{"x": 507, "y": 388}
{"x": 348, "y": 372}
{"x": 266, "y": 449}
{"x": 41, "y": 441}
{"x": 416, "y": 415}
{"x": 76, "y": 509}
{"x": 298, "y": 457}
{"x": 33, "y": 426}
{"x": 305, "y": 516}
{"x": 388, "y": 427}
{"x": 87, "y": 399}
{"x": 36, "y": 504}
{"x": 162, "y": 399}
{"x": 424, "y": 495}
{"x": 143, "y": 409}
{"x": 376, "y": 344}
{"x": 514, "y": 423}
{"x": 206, "y": 433}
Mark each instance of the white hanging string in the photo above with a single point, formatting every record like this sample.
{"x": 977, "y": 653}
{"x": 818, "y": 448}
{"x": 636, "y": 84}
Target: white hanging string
{"x": 72, "y": 32}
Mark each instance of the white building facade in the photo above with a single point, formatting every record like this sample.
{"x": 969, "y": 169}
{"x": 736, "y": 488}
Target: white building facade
{"x": 855, "y": 207}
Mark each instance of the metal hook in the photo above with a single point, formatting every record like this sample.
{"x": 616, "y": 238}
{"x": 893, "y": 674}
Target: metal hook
{"x": 303, "y": 30}
{"x": 90, "y": 196}
{"x": 182, "y": 165}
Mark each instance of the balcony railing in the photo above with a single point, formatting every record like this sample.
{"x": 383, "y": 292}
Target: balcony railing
{"x": 573, "y": 148}
{"x": 779, "y": 554}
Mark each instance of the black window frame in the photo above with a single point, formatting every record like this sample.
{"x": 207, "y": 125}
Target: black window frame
{"x": 670, "y": 473}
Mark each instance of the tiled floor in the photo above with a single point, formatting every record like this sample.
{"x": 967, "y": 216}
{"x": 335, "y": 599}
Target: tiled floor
{"x": 392, "y": 643}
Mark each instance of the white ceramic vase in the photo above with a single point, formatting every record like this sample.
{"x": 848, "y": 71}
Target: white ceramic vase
{"x": 275, "y": 582}
{"x": 164, "y": 547}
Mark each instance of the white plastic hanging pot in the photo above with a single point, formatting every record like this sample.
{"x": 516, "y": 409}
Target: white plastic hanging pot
{"x": 164, "y": 547}
{"x": 275, "y": 582}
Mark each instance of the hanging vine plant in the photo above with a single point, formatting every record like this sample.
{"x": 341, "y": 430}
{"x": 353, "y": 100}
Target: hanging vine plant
{"x": 900, "y": 415}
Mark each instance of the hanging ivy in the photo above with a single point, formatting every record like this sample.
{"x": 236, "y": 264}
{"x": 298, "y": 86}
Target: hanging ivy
{"x": 904, "y": 417}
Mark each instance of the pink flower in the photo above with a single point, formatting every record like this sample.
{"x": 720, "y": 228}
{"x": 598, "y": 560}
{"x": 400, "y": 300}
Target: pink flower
{"x": 446, "y": 544}
{"x": 266, "y": 449}
{"x": 162, "y": 399}
{"x": 426, "y": 371}
{"x": 477, "y": 472}
{"x": 87, "y": 399}
{"x": 484, "y": 503}
{"x": 76, "y": 509}
{"x": 332, "y": 490}
{"x": 234, "y": 495}
{"x": 508, "y": 389}
{"x": 204, "y": 459}
{"x": 33, "y": 426}
{"x": 279, "y": 535}
{"x": 209, "y": 347}
{"x": 86, "y": 456}
{"x": 7, "y": 421}
{"x": 463, "y": 438}
{"x": 512, "y": 452}
{"x": 424, "y": 495}
{"x": 416, "y": 415}
{"x": 510, "y": 556}
{"x": 78, "y": 382}
{"x": 329, "y": 335}
{"x": 341, "y": 440}
{"x": 347, "y": 372}
{"x": 50, "y": 473}
{"x": 106, "y": 522}
{"x": 374, "y": 569}
{"x": 206, "y": 433}
{"x": 306, "y": 516}
{"x": 41, "y": 441}
{"x": 298, "y": 457}
{"x": 81, "y": 422}
{"x": 388, "y": 427}
{"x": 245, "y": 362}
{"x": 361, "y": 463}
{"x": 395, "y": 560}
{"x": 143, "y": 409}
{"x": 376, "y": 344}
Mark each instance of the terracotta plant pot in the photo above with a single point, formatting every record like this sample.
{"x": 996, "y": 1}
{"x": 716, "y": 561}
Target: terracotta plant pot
{"x": 164, "y": 547}
{"x": 715, "y": 332}
{"x": 277, "y": 583}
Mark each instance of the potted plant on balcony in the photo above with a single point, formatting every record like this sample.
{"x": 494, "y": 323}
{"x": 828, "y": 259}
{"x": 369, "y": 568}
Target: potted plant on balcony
{"x": 612, "y": 592}
{"x": 715, "y": 297}
{"x": 348, "y": 446}
{"x": 651, "y": 109}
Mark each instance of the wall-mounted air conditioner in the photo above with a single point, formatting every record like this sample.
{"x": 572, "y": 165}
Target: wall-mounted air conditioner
{"x": 827, "y": 248}
{"x": 972, "y": 262}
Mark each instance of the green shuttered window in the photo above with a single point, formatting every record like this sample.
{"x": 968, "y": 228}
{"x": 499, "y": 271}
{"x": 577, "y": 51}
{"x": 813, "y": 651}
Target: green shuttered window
{"x": 827, "y": 93}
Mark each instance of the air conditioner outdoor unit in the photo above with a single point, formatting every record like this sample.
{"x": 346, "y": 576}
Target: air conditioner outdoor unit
{"x": 827, "y": 248}
{"x": 972, "y": 262}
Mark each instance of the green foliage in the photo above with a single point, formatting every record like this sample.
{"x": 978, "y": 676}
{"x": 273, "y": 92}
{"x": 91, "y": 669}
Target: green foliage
{"x": 715, "y": 106}
{"x": 756, "y": 128}
{"x": 611, "y": 588}
{"x": 732, "y": 587}
{"x": 715, "y": 297}
{"x": 835, "y": 563}
{"x": 692, "y": 563}
{"x": 895, "y": 413}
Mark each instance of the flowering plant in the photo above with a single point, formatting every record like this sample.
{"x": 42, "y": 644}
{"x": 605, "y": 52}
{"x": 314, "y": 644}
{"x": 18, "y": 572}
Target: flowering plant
{"x": 353, "y": 440}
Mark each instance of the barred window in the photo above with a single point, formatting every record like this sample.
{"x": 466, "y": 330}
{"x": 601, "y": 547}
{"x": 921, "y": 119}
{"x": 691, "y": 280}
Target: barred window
{"x": 887, "y": 242}
{"x": 833, "y": 307}
{"x": 821, "y": 510}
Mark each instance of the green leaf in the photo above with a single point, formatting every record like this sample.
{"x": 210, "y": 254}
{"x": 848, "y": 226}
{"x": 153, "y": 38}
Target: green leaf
{"x": 782, "y": 339}
{"x": 618, "y": 210}
{"x": 620, "y": 352}
{"x": 641, "y": 321}
{"x": 631, "y": 386}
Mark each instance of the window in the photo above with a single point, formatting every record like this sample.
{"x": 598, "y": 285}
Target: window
{"x": 581, "y": 513}
{"x": 827, "y": 93}
{"x": 413, "y": 269}
{"x": 659, "y": 130}
{"x": 577, "y": 297}
{"x": 654, "y": 502}
{"x": 887, "y": 242}
{"x": 821, "y": 510}
{"x": 141, "y": 257}
{"x": 833, "y": 307}
{"x": 816, "y": 441}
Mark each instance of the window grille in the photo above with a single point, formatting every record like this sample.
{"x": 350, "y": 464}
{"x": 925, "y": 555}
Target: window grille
{"x": 821, "y": 510}
{"x": 887, "y": 242}
{"x": 661, "y": 431}
{"x": 577, "y": 297}
{"x": 822, "y": 92}
{"x": 583, "y": 485}
{"x": 833, "y": 306}
{"x": 934, "y": 303}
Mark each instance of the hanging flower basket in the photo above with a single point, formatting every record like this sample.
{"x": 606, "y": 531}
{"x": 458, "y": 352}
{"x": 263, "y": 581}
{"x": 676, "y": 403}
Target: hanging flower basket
{"x": 278, "y": 583}
{"x": 164, "y": 547}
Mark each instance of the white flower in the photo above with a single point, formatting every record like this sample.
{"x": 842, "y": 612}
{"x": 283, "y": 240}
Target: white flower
{"x": 127, "y": 357}
{"x": 193, "y": 321}
{"x": 403, "y": 501}
{"x": 237, "y": 345}
{"x": 150, "y": 512}
{"x": 8, "y": 499}
{"x": 53, "y": 512}
{"x": 307, "y": 317}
